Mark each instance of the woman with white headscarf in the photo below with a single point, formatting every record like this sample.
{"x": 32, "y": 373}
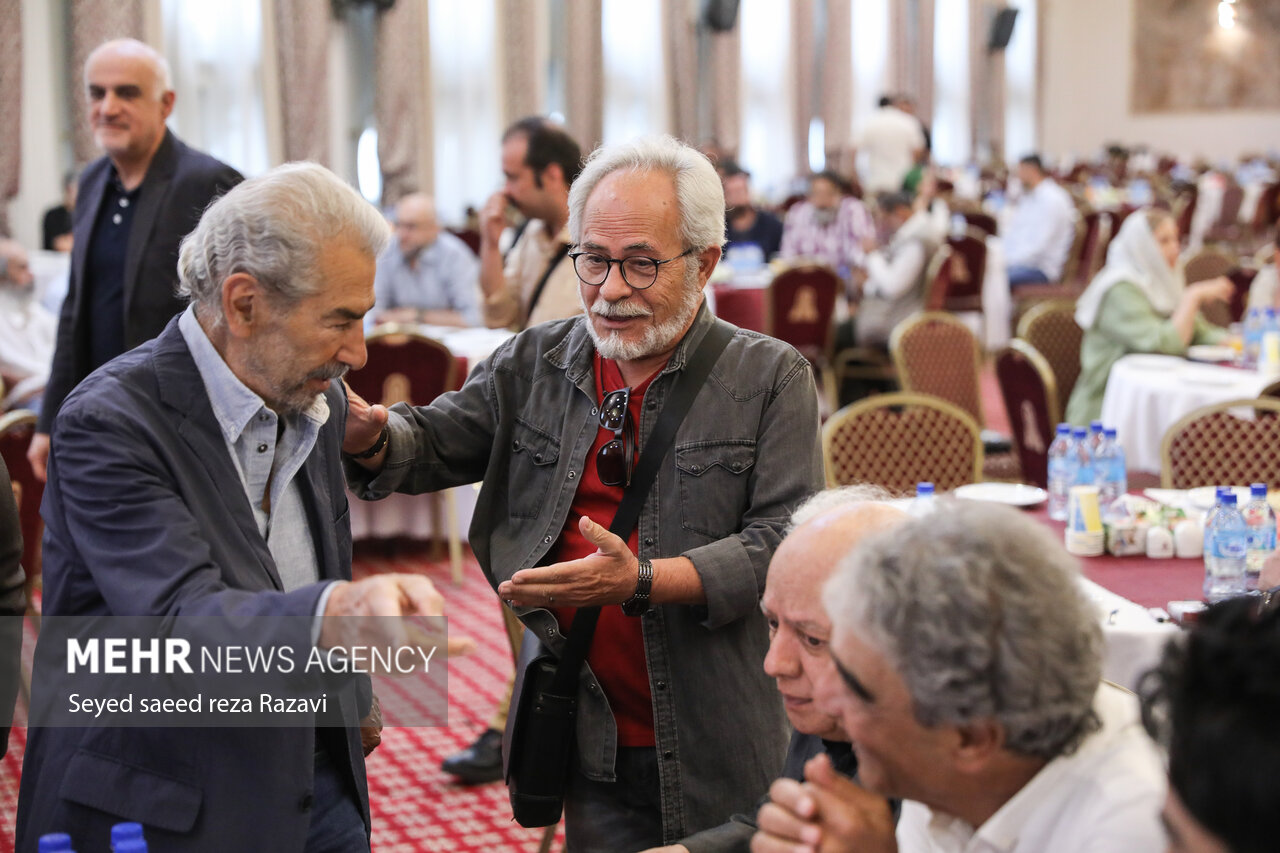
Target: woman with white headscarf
{"x": 1139, "y": 302}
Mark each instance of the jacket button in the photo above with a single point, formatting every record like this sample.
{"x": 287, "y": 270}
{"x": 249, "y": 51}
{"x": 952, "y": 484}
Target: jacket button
{"x": 662, "y": 685}
{"x": 737, "y": 466}
{"x": 668, "y": 754}
{"x": 546, "y": 540}
{"x": 594, "y": 411}
{"x": 262, "y": 448}
{"x": 537, "y": 457}
{"x": 591, "y": 687}
{"x": 551, "y": 632}
{"x": 306, "y": 802}
{"x": 573, "y": 475}
{"x": 695, "y": 468}
{"x": 515, "y": 445}
{"x": 648, "y": 540}
{"x": 653, "y": 404}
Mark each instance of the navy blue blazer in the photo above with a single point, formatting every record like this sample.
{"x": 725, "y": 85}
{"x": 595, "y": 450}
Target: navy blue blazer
{"x": 146, "y": 514}
{"x": 180, "y": 183}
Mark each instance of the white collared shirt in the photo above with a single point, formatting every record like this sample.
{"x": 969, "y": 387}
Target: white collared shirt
{"x": 1103, "y": 798}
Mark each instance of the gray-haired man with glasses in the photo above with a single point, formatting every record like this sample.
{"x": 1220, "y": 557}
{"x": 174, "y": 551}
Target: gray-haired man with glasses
{"x": 678, "y": 724}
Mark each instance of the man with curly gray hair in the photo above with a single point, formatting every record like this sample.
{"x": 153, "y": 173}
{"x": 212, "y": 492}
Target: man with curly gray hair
{"x": 677, "y": 725}
{"x": 967, "y": 666}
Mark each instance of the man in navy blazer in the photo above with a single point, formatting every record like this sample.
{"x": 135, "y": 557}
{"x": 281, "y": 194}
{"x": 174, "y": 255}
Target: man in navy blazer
{"x": 198, "y": 478}
{"x": 133, "y": 208}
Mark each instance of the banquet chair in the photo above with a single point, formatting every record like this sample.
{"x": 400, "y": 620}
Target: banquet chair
{"x": 1231, "y": 443}
{"x": 937, "y": 279}
{"x": 968, "y": 267}
{"x": 16, "y": 429}
{"x": 1031, "y": 399}
{"x": 982, "y": 221}
{"x": 898, "y": 440}
{"x": 1211, "y": 262}
{"x": 1098, "y": 235}
{"x": 1266, "y": 213}
{"x": 935, "y": 353}
{"x": 799, "y": 308}
{"x": 1071, "y": 270}
{"x": 1051, "y": 329}
{"x": 405, "y": 366}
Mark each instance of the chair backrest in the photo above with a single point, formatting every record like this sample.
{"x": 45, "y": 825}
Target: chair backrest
{"x": 968, "y": 266}
{"x": 404, "y": 366}
{"x": 1098, "y": 233}
{"x": 470, "y": 236}
{"x": 898, "y": 440}
{"x": 1031, "y": 399}
{"x": 937, "y": 354}
{"x": 1231, "y": 443}
{"x": 799, "y": 308}
{"x": 1075, "y": 257}
{"x": 16, "y": 429}
{"x": 1051, "y": 328}
{"x": 937, "y": 279}
{"x": 1232, "y": 198}
{"x": 982, "y": 221}
{"x": 1267, "y": 211}
{"x": 1211, "y": 262}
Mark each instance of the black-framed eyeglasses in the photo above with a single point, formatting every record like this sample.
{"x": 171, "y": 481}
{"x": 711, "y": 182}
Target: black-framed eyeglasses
{"x": 638, "y": 271}
{"x": 613, "y": 461}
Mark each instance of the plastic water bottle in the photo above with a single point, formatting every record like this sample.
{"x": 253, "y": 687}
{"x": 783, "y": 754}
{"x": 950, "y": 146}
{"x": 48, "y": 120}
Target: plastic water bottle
{"x": 923, "y": 503}
{"x": 1095, "y": 436}
{"x": 55, "y": 842}
{"x": 1061, "y": 473}
{"x": 1082, "y": 457}
{"x": 1262, "y": 534}
{"x": 1252, "y": 334}
{"x": 1224, "y": 564}
{"x": 1109, "y": 467}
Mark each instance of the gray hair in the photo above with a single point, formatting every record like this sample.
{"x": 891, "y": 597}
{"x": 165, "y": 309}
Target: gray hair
{"x": 980, "y": 610}
{"x": 274, "y": 228}
{"x": 699, "y": 194}
{"x": 828, "y": 499}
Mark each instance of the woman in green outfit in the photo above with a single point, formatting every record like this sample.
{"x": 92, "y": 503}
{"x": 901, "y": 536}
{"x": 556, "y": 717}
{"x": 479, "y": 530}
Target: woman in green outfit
{"x": 1139, "y": 302}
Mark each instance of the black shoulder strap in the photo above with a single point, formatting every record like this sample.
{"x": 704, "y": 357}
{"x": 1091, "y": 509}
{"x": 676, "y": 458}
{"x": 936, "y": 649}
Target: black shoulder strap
{"x": 683, "y": 392}
{"x": 554, "y": 262}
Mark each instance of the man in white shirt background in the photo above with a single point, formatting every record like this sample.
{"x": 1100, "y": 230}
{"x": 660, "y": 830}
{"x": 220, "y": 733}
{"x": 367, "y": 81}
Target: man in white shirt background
{"x": 889, "y": 143}
{"x": 967, "y": 667}
{"x": 1041, "y": 227}
{"x": 426, "y": 275}
{"x": 27, "y": 332}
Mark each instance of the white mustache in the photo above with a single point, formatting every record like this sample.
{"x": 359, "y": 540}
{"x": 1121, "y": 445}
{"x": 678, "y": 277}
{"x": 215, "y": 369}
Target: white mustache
{"x": 620, "y": 310}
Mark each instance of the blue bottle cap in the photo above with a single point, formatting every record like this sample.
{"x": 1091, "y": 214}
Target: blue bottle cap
{"x": 1258, "y": 490}
{"x": 133, "y": 845}
{"x": 1228, "y": 498}
{"x": 924, "y": 489}
{"x": 125, "y": 832}
{"x": 55, "y": 842}
{"x": 1064, "y": 429}
{"x": 1079, "y": 432}
{"x": 1095, "y": 426}
{"x": 1109, "y": 432}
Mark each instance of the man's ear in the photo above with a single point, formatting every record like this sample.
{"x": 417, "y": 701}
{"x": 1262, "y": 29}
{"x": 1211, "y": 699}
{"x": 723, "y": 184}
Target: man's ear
{"x": 166, "y": 102}
{"x": 552, "y": 172}
{"x": 243, "y": 304}
{"x": 977, "y": 743}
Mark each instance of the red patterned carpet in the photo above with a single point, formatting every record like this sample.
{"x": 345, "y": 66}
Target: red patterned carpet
{"x": 416, "y": 808}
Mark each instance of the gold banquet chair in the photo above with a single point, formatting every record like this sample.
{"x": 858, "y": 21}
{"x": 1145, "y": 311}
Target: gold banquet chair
{"x": 898, "y": 440}
{"x": 1051, "y": 328}
{"x": 1227, "y": 444}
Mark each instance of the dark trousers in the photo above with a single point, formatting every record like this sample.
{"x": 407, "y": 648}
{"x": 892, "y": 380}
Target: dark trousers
{"x": 616, "y": 817}
{"x": 336, "y": 825}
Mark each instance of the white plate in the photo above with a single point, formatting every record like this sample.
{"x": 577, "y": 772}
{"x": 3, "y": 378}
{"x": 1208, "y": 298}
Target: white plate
{"x": 1012, "y": 494}
{"x": 1206, "y": 496}
{"x": 1151, "y": 361}
{"x": 1211, "y": 353}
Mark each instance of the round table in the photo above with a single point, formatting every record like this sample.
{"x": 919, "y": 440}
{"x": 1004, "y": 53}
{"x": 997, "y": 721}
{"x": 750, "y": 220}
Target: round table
{"x": 1146, "y": 394}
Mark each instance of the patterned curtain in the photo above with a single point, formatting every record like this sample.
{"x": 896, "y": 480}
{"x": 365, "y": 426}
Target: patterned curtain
{"x": 92, "y": 23}
{"x": 725, "y": 96}
{"x": 837, "y": 86}
{"x": 519, "y": 55}
{"x": 403, "y": 101}
{"x": 302, "y": 63}
{"x": 584, "y": 73}
{"x": 986, "y": 86}
{"x": 919, "y": 81}
{"x": 10, "y": 105}
{"x": 680, "y": 24}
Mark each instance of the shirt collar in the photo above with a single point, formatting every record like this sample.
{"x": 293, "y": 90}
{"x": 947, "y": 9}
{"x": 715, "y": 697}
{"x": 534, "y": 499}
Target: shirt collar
{"x": 234, "y": 403}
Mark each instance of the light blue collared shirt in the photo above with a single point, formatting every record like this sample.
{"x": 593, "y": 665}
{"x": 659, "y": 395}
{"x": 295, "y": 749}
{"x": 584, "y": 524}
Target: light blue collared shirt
{"x": 268, "y": 455}
{"x": 442, "y": 276}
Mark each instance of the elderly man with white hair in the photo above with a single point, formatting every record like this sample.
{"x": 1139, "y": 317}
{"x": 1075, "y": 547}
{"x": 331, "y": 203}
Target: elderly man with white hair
{"x": 966, "y": 671}
{"x": 677, "y": 724}
{"x": 27, "y": 331}
{"x": 197, "y": 481}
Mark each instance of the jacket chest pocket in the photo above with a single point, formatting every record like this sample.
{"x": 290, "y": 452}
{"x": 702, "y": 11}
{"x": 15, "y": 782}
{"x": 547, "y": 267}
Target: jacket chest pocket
{"x": 714, "y": 478}
{"x": 534, "y": 455}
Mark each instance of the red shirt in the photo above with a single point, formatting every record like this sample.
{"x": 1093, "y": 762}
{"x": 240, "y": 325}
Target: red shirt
{"x": 617, "y": 654}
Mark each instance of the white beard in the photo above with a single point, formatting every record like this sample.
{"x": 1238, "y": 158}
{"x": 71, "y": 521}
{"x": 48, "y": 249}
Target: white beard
{"x": 655, "y": 339}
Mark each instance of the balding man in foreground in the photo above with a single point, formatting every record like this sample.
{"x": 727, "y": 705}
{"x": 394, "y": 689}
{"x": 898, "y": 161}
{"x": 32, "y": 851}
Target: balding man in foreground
{"x": 133, "y": 207}
{"x": 966, "y": 670}
{"x": 197, "y": 481}
{"x": 427, "y": 275}
{"x": 823, "y": 531}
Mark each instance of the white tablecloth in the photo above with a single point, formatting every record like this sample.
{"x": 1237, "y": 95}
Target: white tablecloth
{"x": 1147, "y": 393}
{"x": 1134, "y": 638}
{"x": 410, "y": 515}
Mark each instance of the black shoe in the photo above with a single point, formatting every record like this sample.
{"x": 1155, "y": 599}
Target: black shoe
{"x": 479, "y": 763}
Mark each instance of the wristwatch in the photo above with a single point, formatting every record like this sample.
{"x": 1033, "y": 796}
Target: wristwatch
{"x": 376, "y": 448}
{"x": 638, "y": 604}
